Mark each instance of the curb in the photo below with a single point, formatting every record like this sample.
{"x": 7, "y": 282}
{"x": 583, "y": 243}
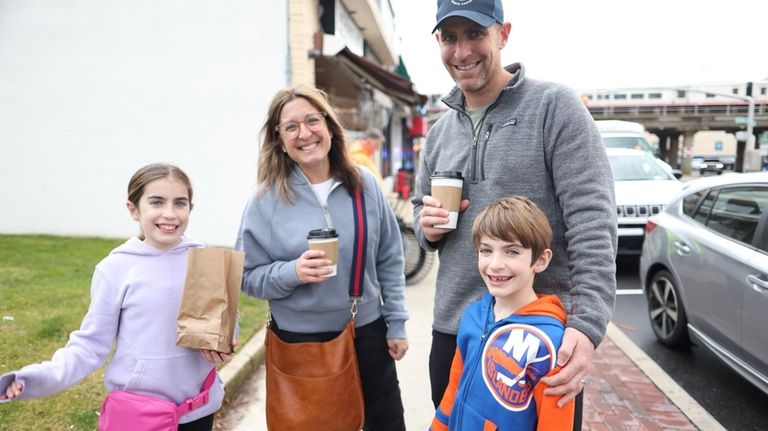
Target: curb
{"x": 700, "y": 418}
{"x": 243, "y": 365}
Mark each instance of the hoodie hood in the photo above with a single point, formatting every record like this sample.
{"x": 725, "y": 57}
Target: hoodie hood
{"x": 546, "y": 305}
{"x": 135, "y": 246}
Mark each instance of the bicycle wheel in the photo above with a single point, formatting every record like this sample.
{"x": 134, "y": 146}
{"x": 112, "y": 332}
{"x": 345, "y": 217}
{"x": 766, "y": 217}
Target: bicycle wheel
{"x": 417, "y": 260}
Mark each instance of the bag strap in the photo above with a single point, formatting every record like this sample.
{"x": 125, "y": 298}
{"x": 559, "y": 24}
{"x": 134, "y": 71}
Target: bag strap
{"x": 361, "y": 244}
{"x": 358, "y": 262}
{"x": 200, "y": 399}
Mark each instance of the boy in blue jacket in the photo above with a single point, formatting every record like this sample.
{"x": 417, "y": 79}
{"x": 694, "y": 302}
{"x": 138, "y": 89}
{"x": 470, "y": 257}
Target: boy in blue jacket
{"x": 508, "y": 340}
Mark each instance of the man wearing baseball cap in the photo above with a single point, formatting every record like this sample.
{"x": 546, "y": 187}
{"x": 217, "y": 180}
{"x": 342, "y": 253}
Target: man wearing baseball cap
{"x": 512, "y": 135}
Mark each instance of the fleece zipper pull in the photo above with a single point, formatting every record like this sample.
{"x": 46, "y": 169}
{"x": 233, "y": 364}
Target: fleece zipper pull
{"x": 324, "y": 206}
{"x": 481, "y": 161}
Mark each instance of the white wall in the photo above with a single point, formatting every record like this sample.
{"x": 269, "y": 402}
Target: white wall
{"x": 91, "y": 90}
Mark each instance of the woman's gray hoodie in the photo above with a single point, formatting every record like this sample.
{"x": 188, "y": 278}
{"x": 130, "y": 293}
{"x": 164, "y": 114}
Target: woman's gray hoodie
{"x": 273, "y": 235}
{"x": 537, "y": 140}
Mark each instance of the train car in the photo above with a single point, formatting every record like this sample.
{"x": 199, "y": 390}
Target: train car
{"x": 709, "y": 94}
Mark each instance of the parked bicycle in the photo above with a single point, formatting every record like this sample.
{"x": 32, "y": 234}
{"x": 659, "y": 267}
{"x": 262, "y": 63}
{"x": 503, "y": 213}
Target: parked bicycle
{"x": 418, "y": 261}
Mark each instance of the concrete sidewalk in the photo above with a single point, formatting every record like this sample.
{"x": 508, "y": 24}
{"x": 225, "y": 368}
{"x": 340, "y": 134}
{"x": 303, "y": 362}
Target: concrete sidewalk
{"x": 625, "y": 389}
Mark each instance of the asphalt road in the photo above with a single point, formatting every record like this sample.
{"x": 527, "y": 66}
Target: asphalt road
{"x": 733, "y": 401}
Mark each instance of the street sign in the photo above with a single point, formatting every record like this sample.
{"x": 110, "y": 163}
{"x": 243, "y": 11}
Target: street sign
{"x": 743, "y": 120}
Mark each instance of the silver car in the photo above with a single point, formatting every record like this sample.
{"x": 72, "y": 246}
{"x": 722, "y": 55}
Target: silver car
{"x": 704, "y": 270}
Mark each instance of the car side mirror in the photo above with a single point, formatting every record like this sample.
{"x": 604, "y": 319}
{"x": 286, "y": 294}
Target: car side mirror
{"x": 677, "y": 173}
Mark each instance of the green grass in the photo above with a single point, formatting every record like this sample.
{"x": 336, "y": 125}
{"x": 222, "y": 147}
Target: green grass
{"x": 45, "y": 287}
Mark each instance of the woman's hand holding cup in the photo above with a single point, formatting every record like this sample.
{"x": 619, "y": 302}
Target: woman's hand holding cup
{"x": 313, "y": 267}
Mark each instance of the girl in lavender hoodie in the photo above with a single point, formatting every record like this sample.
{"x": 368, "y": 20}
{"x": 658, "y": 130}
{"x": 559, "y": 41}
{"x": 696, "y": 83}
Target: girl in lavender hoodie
{"x": 135, "y": 295}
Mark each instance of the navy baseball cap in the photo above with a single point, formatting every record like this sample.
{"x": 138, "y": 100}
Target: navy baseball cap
{"x": 483, "y": 12}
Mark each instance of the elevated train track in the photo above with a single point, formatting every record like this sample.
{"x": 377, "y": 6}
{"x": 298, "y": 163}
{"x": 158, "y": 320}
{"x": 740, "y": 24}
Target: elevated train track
{"x": 671, "y": 113}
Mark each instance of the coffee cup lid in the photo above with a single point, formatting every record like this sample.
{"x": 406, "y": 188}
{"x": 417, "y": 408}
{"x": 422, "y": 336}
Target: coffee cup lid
{"x": 322, "y": 233}
{"x": 448, "y": 174}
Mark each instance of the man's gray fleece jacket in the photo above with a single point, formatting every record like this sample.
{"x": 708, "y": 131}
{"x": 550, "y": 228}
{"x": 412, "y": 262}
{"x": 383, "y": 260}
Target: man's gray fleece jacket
{"x": 537, "y": 140}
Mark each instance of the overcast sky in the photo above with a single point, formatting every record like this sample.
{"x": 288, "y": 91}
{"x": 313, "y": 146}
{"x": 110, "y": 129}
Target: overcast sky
{"x": 596, "y": 44}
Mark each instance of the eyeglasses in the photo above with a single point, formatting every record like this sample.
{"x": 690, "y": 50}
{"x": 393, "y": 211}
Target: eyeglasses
{"x": 314, "y": 123}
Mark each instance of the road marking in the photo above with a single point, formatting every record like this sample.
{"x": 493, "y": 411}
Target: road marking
{"x": 629, "y": 291}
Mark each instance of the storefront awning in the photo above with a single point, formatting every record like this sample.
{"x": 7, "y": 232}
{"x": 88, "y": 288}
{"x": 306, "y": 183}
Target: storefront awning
{"x": 391, "y": 84}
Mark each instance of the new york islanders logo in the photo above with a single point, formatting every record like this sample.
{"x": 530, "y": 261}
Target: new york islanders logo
{"x": 515, "y": 357}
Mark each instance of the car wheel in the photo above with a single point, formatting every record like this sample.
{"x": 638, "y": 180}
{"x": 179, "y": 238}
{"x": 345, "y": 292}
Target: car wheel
{"x": 666, "y": 312}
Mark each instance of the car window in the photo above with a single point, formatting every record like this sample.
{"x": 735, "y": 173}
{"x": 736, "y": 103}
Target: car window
{"x": 634, "y": 142}
{"x": 691, "y": 202}
{"x": 737, "y": 211}
{"x": 636, "y": 167}
{"x": 702, "y": 215}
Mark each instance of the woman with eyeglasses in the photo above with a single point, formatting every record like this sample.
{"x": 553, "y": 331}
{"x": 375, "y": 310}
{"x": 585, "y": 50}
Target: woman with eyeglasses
{"x": 306, "y": 181}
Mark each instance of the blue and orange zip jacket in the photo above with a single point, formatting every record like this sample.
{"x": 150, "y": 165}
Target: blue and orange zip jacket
{"x": 494, "y": 381}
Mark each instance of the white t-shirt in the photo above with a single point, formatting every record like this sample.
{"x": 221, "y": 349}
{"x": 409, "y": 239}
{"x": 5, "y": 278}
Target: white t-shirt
{"x": 323, "y": 190}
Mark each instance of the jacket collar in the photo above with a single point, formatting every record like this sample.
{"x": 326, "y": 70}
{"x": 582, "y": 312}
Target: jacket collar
{"x": 455, "y": 99}
{"x": 546, "y": 305}
{"x": 297, "y": 176}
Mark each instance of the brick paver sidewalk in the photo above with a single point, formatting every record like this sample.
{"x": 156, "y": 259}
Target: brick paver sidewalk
{"x": 619, "y": 396}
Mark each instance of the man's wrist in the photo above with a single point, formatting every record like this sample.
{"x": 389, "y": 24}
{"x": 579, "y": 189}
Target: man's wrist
{"x": 594, "y": 337}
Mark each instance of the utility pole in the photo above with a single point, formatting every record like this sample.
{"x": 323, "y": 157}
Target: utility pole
{"x": 740, "y": 147}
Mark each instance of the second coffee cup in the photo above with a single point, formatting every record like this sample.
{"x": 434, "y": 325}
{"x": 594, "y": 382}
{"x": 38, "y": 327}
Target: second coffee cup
{"x": 328, "y": 241}
{"x": 446, "y": 187}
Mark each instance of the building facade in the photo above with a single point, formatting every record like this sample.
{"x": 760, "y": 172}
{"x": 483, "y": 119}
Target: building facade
{"x": 92, "y": 90}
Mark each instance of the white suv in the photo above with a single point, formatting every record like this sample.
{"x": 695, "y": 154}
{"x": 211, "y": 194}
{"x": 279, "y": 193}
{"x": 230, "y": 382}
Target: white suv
{"x": 628, "y": 134}
{"x": 643, "y": 188}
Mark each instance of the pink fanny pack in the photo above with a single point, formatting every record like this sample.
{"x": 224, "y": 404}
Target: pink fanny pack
{"x": 125, "y": 411}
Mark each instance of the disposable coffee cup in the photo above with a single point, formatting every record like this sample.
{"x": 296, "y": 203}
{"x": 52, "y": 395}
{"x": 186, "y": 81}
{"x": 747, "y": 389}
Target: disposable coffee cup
{"x": 328, "y": 241}
{"x": 446, "y": 187}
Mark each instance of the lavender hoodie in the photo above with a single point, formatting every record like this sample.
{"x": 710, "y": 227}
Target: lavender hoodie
{"x": 135, "y": 296}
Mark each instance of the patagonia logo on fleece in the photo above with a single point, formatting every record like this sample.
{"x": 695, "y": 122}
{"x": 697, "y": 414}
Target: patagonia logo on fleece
{"x": 511, "y": 122}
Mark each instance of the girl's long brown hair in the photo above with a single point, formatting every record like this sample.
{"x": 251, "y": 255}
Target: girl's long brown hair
{"x": 275, "y": 166}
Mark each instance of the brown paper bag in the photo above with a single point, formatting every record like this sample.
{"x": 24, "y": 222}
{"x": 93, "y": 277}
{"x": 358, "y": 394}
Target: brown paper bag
{"x": 208, "y": 310}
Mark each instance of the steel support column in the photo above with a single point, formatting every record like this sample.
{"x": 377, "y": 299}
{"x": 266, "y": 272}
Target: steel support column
{"x": 687, "y": 152}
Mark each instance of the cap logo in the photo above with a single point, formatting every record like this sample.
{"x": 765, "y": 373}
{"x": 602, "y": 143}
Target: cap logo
{"x": 481, "y": 12}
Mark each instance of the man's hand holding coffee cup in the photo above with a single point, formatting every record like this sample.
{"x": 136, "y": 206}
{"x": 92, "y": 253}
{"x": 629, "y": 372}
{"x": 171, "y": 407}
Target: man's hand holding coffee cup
{"x": 433, "y": 214}
{"x": 313, "y": 267}
{"x": 446, "y": 190}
